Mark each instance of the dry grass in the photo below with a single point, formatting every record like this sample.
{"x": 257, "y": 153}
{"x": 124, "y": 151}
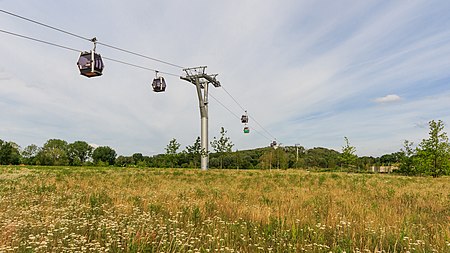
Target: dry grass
{"x": 161, "y": 210}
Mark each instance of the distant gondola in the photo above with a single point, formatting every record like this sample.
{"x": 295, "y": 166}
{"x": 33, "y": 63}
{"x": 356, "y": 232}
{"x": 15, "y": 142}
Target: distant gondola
{"x": 246, "y": 130}
{"x": 159, "y": 84}
{"x": 244, "y": 119}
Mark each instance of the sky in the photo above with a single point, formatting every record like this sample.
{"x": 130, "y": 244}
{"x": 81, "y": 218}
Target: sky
{"x": 307, "y": 72}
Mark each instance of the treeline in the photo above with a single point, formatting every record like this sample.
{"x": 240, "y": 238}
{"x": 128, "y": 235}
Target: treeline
{"x": 430, "y": 157}
{"x": 56, "y": 152}
{"x": 79, "y": 153}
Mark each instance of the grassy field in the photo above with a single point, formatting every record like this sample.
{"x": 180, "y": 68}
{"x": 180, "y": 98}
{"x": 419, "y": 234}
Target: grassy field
{"x": 66, "y": 209}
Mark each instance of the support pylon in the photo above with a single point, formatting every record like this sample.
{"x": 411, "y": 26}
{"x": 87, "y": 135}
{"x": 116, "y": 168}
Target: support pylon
{"x": 201, "y": 80}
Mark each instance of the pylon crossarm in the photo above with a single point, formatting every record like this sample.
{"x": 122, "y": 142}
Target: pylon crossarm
{"x": 212, "y": 79}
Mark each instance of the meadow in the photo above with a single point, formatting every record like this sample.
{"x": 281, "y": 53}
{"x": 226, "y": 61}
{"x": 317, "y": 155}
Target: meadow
{"x": 88, "y": 209}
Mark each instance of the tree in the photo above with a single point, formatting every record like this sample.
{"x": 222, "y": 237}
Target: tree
{"x": 222, "y": 145}
{"x": 407, "y": 158}
{"x": 348, "y": 157}
{"x": 172, "y": 147}
{"x": 124, "y": 161}
{"x": 54, "y": 152}
{"x": 366, "y": 162}
{"x": 195, "y": 151}
{"x": 105, "y": 155}
{"x": 79, "y": 152}
{"x": 280, "y": 158}
{"x": 434, "y": 152}
{"x": 274, "y": 158}
{"x": 171, "y": 151}
{"x": 29, "y": 153}
{"x": 266, "y": 160}
{"x": 320, "y": 157}
{"x": 9, "y": 153}
{"x": 137, "y": 158}
{"x": 237, "y": 156}
{"x": 389, "y": 159}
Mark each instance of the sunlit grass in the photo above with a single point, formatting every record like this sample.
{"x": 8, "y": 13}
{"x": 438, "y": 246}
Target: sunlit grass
{"x": 61, "y": 209}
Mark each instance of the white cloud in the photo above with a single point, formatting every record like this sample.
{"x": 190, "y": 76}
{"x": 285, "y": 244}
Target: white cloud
{"x": 388, "y": 99}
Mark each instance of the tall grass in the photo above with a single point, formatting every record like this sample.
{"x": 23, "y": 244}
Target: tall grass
{"x": 60, "y": 209}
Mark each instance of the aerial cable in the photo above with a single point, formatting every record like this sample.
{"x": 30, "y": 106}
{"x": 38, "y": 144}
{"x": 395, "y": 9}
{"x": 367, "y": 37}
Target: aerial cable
{"x": 140, "y": 55}
{"x": 262, "y": 127}
{"x": 45, "y": 25}
{"x": 258, "y": 132}
{"x": 237, "y": 116}
{"x": 136, "y": 66}
{"x": 76, "y": 50}
{"x": 116, "y": 48}
{"x": 249, "y": 115}
{"x": 38, "y": 40}
{"x": 140, "y": 67}
{"x": 224, "y": 106}
{"x": 88, "y": 39}
{"x": 233, "y": 99}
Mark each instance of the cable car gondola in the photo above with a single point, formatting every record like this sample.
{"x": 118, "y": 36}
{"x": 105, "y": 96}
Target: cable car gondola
{"x": 90, "y": 63}
{"x": 159, "y": 84}
{"x": 273, "y": 144}
{"x": 244, "y": 119}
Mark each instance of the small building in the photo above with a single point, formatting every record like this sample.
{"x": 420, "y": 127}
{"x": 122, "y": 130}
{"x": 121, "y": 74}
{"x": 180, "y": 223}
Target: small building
{"x": 383, "y": 169}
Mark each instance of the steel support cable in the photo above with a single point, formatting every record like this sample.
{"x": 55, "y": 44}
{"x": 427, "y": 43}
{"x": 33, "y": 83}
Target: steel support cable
{"x": 45, "y": 25}
{"x": 224, "y": 106}
{"x": 249, "y": 115}
{"x": 119, "y": 49}
{"x": 136, "y": 66}
{"x": 274, "y": 138}
{"x": 141, "y": 55}
{"x": 233, "y": 99}
{"x": 237, "y": 116}
{"x": 88, "y": 39}
{"x": 76, "y": 50}
{"x": 38, "y": 40}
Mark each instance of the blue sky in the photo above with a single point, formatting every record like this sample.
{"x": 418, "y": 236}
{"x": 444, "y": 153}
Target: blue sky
{"x": 310, "y": 72}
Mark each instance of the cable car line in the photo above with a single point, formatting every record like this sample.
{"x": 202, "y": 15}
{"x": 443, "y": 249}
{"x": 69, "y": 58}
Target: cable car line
{"x": 237, "y": 116}
{"x": 140, "y": 67}
{"x": 77, "y": 50}
{"x": 262, "y": 127}
{"x": 117, "y": 61}
{"x": 38, "y": 40}
{"x": 233, "y": 99}
{"x": 248, "y": 115}
{"x": 136, "y": 66}
{"x": 88, "y": 39}
{"x": 140, "y": 55}
{"x": 45, "y": 25}
{"x": 224, "y": 106}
